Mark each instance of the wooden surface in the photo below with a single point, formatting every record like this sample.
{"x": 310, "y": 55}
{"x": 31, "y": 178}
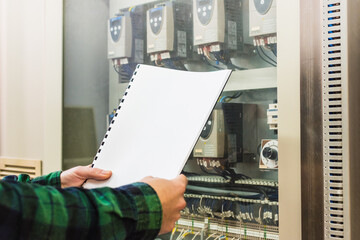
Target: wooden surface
{"x": 17, "y": 166}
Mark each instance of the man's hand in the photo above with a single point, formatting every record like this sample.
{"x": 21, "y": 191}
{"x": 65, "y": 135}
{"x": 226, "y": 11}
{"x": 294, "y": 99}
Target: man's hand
{"x": 75, "y": 177}
{"x": 171, "y": 195}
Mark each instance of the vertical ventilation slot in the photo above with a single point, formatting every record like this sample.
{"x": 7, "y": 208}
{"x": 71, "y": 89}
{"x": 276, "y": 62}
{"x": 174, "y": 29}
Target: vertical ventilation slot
{"x": 332, "y": 120}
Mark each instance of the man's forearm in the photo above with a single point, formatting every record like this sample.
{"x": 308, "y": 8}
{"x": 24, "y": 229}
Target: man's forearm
{"x": 32, "y": 211}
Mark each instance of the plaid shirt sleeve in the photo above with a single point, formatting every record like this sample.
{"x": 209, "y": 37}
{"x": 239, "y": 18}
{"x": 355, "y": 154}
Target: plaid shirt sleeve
{"x": 52, "y": 179}
{"x": 33, "y": 211}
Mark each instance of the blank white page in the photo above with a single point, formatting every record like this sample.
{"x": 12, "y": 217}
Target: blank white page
{"x": 157, "y": 124}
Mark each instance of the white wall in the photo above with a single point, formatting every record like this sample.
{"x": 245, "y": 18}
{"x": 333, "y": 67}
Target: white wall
{"x": 116, "y": 5}
{"x": 31, "y": 80}
{"x": 86, "y": 67}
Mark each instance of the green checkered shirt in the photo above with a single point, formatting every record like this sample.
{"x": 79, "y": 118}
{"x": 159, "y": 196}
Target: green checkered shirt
{"x": 42, "y": 210}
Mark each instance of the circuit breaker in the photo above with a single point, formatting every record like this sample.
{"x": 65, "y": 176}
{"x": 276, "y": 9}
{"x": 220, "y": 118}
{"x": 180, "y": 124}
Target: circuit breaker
{"x": 168, "y": 30}
{"x": 218, "y": 22}
{"x": 126, "y": 41}
{"x": 120, "y": 37}
{"x": 211, "y": 143}
{"x": 228, "y": 133}
{"x": 262, "y": 17}
{"x": 126, "y": 37}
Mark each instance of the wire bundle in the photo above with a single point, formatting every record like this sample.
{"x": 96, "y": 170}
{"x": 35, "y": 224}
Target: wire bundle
{"x": 232, "y": 209}
{"x": 226, "y": 172}
{"x": 228, "y": 98}
{"x": 218, "y": 57}
{"x": 224, "y": 58}
{"x": 264, "y": 56}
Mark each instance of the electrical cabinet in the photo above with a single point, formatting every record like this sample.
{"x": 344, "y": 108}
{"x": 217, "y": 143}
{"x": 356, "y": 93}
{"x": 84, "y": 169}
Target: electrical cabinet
{"x": 234, "y": 171}
{"x": 233, "y": 189}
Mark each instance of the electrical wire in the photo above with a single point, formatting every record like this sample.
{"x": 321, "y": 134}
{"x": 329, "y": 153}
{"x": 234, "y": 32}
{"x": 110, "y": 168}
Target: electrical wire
{"x": 221, "y": 173}
{"x": 267, "y": 56}
{"x": 181, "y": 232}
{"x": 206, "y": 50}
{"x": 195, "y": 235}
{"x": 208, "y": 63}
{"x": 184, "y": 234}
{"x": 262, "y": 192}
{"x": 258, "y": 52}
{"x": 207, "y": 172}
{"x": 114, "y": 66}
{"x": 235, "y": 176}
{"x": 226, "y": 173}
{"x": 158, "y": 61}
{"x": 210, "y": 236}
{"x": 202, "y": 234}
{"x": 124, "y": 76}
{"x": 236, "y": 95}
{"x": 173, "y": 64}
{"x": 251, "y": 194}
{"x": 273, "y": 48}
{"x": 226, "y": 60}
{"x": 172, "y": 233}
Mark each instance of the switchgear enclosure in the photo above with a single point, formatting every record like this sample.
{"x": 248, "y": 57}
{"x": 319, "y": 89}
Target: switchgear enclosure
{"x": 262, "y": 17}
{"x": 168, "y": 29}
{"x": 230, "y": 133}
{"x": 160, "y": 28}
{"x": 209, "y": 21}
{"x": 120, "y": 37}
{"x": 211, "y": 142}
{"x": 218, "y": 21}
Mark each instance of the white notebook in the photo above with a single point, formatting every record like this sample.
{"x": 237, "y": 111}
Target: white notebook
{"x": 157, "y": 124}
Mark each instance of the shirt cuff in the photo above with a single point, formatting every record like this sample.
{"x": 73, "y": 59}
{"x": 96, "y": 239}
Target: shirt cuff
{"x": 51, "y": 179}
{"x": 149, "y": 212}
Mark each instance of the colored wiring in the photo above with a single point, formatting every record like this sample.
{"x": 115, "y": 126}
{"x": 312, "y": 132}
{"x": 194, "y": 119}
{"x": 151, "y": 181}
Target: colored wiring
{"x": 158, "y": 61}
{"x": 206, "y": 50}
{"x": 224, "y": 98}
{"x": 208, "y": 63}
{"x": 181, "y": 232}
{"x": 209, "y": 173}
{"x": 170, "y": 63}
{"x": 123, "y": 75}
{"x": 173, "y": 232}
{"x": 183, "y": 235}
{"x": 225, "y": 59}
